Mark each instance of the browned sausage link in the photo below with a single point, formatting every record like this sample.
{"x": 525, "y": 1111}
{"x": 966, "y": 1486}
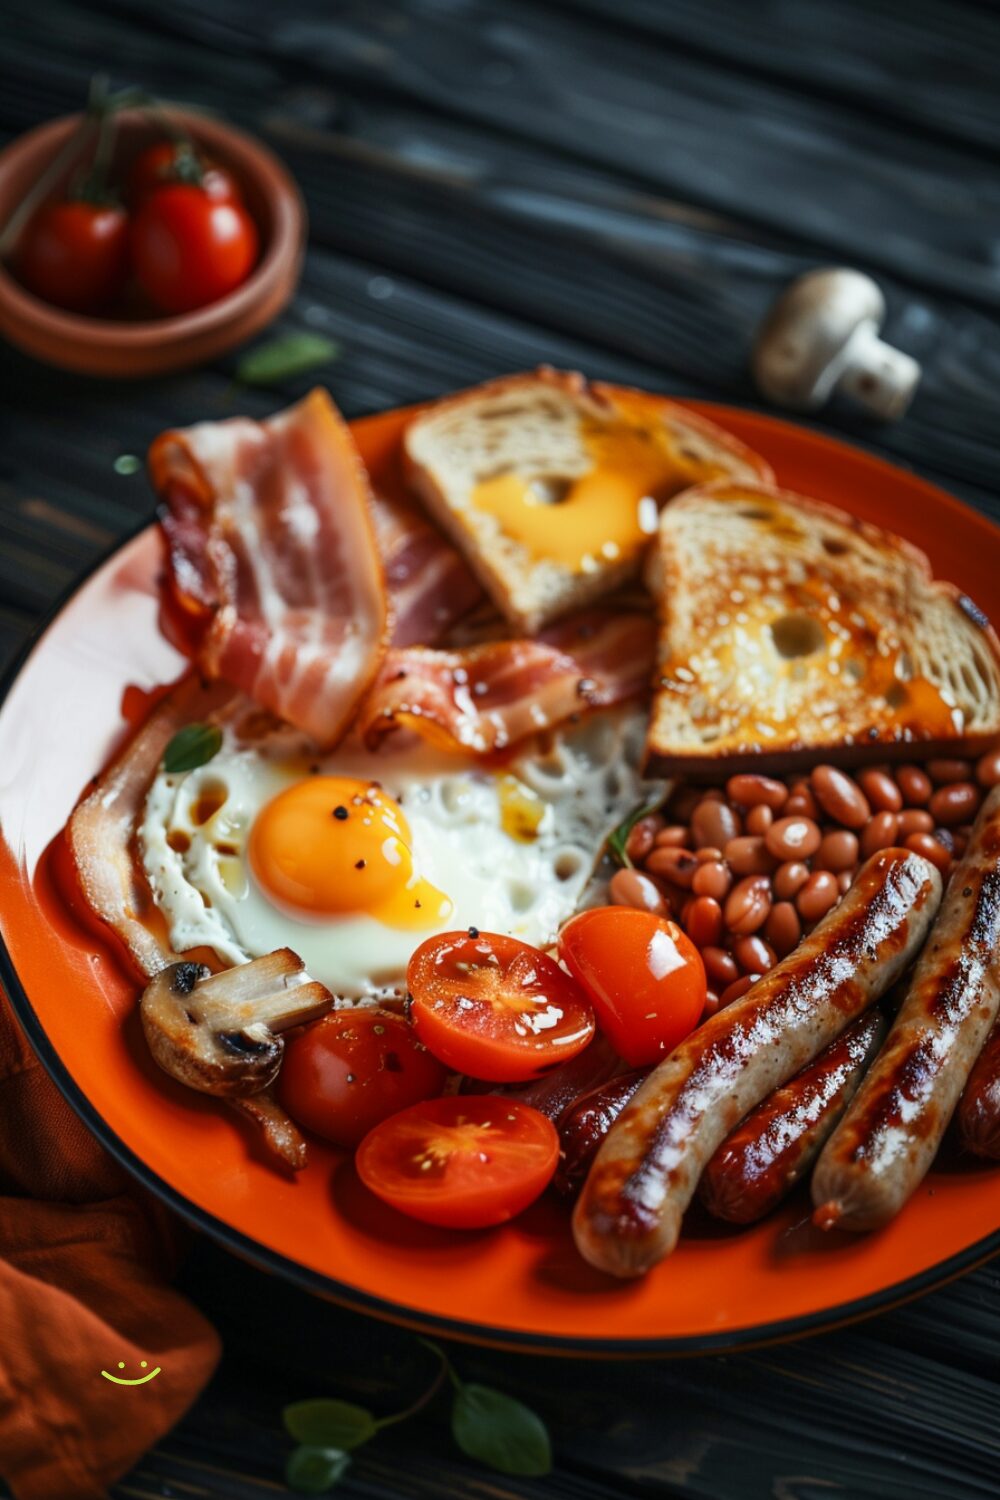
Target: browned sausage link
{"x": 629, "y": 1213}
{"x": 979, "y": 1106}
{"x": 882, "y": 1148}
{"x": 584, "y": 1125}
{"x": 778, "y": 1142}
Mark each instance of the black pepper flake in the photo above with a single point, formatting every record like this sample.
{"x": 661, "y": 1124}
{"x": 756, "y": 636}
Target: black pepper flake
{"x": 340, "y": 812}
{"x": 359, "y": 864}
{"x": 586, "y": 686}
{"x": 473, "y": 932}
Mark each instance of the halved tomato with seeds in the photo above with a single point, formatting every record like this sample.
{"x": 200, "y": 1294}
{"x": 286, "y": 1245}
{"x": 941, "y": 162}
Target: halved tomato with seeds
{"x": 463, "y": 1162}
{"x": 495, "y": 1008}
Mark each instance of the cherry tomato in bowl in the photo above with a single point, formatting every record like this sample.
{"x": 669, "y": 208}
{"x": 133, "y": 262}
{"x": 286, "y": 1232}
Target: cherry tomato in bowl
{"x": 643, "y": 975}
{"x": 177, "y": 161}
{"x": 352, "y": 1069}
{"x": 74, "y": 254}
{"x": 462, "y": 1162}
{"x": 495, "y": 1008}
{"x": 189, "y": 249}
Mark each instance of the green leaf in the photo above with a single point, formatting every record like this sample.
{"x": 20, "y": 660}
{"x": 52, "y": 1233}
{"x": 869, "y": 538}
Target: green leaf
{"x": 289, "y": 354}
{"x": 315, "y": 1471}
{"x": 618, "y": 838}
{"x": 330, "y": 1424}
{"x": 192, "y": 746}
{"x": 500, "y": 1432}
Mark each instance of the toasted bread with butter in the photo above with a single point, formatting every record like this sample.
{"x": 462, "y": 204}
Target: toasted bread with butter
{"x": 551, "y": 487}
{"x": 790, "y": 629}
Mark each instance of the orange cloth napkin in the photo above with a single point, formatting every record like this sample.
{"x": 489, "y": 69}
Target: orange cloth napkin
{"x": 83, "y": 1256}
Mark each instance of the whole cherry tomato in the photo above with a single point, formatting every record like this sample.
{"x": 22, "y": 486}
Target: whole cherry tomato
{"x": 495, "y": 1008}
{"x": 643, "y": 975}
{"x": 178, "y": 161}
{"x": 462, "y": 1162}
{"x": 74, "y": 254}
{"x": 352, "y": 1069}
{"x": 189, "y": 249}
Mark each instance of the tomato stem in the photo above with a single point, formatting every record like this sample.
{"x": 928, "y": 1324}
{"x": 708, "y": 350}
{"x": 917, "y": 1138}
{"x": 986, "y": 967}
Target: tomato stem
{"x": 445, "y": 1370}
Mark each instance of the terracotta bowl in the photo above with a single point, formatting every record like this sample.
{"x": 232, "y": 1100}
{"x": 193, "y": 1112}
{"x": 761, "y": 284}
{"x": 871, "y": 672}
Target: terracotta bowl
{"x": 139, "y": 342}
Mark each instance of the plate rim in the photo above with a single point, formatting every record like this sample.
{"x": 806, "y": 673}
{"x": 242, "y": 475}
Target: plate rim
{"x": 354, "y": 1298}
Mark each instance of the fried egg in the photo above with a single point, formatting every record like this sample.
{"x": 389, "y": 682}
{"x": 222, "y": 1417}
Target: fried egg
{"x": 352, "y": 859}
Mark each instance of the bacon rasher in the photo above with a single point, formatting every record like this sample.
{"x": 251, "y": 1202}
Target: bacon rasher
{"x": 484, "y": 698}
{"x": 271, "y": 540}
{"x": 430, "y": 584}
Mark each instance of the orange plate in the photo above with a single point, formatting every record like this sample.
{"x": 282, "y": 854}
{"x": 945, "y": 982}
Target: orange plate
{"x": 519, "y": 1286}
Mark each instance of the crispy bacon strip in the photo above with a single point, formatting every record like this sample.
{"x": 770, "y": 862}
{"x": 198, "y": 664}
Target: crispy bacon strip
{"x": 100, "y": 829}
{"x": 483, "y": 698}
{"x": 271, "y": 539}
{"x": 430, "y": 583}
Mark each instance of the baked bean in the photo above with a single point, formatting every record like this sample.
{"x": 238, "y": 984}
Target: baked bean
{"x": 737, "y": 990}
{"x": 945, "y": 838}
{"x": 753, "y": 955}
{"x": 838, "y": 851}
{"x": 840, "y": 797}
{"x": 955, "y": 803}
{"x": 988, "y": 769}
{"x": 749, "y": 856}
{"x": 712, "y": 879}
{"x": 712, "y": 1004}
{"x": 674, "y": 836}
{"x": 801, "y": 804}
{"x": 756, "y": 791}
{"x": 747, "y": 905}
{"x": 714, "y": 823}
{"x": 943, "y": 772}
{"x": 845, "y": 880}
{"x": 708, "y": 855}
{"x": 880, "y": 832}
{"x": 677, "y": 865}
{"x": 914, "y": 820}
{"x": 632, "y": 888}
{"x": 683, "y": 803}
{"x": 641, "y": 836}
{"x": 961, "y": 844}
{"x": 720, "y": 966}
{"x": 927, "y": 845}
{"x": 789, "y": 879}
{"x": 817, "y": 896}
{"x": 712, "y": 794}
{"x": 793, "y": 838}
{"x": 783, "y": 928}
{"x": 882, "y": 792}
{"x": 915, "y": 785}
{"x": 703, "y": 922}
{"x": 759, "y": 819}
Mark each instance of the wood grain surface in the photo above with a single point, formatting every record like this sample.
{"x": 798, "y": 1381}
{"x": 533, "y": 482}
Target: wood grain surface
{"x": 622, "y": 186}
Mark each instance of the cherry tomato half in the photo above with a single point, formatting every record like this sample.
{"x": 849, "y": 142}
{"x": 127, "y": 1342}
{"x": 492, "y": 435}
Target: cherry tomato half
{"x": 495, "y": 1008}
{"x": 176, "y": 161}
{"x": 643, "y": 974}
{"x": 75, "y": 254}
{"x": 352, "y": 1069}
{"x": 189, "y": 249}
{"x": 461, "y": 1162}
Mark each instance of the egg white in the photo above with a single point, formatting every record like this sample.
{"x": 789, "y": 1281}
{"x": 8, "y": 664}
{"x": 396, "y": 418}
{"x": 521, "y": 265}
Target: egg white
{"x": 585, "y": 777}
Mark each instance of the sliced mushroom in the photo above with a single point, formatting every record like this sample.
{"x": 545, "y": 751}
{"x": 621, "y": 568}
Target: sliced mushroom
{"x": 218, "y": 1033}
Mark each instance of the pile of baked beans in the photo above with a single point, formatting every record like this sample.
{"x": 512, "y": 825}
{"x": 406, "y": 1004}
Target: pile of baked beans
{"x": 747, "y": 869}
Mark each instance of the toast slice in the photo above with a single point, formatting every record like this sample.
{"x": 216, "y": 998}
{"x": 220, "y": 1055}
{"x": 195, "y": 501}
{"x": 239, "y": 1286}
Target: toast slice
{"x": 789, "y": 629}
{"x": 551, "y": 487}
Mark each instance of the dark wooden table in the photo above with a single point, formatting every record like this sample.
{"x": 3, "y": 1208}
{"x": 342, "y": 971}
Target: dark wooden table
{"x": 623, "y": 186}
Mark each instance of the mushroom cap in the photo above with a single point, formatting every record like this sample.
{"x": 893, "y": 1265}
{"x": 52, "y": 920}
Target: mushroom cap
{"x": 800, "y": 348}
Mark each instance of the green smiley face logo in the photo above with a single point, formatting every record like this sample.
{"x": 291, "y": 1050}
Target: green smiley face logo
{"x": 117, "y": 1379}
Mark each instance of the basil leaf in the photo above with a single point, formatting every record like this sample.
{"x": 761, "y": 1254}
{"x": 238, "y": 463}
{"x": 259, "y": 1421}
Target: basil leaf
{"x": 330, "y": 1424}
{"x": 315, "y": 1471}
{"x": 618, "y": 838}
{"x": 192, "y": 746}
{"x": 500, "y": 1432}
{"x": 288, "y": 354}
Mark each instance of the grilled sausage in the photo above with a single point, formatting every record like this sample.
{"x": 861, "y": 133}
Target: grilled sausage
{"x": 882, "y": 1148}
{"x": 584, "y": 1125}
{"x": 645, "y": 1173}
{"x": 778, "y": 1142}
{"x": 979, "y": 1106}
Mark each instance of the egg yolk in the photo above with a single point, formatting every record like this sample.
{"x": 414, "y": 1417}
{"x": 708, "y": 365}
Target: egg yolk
{"x": 335, "y": 846}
